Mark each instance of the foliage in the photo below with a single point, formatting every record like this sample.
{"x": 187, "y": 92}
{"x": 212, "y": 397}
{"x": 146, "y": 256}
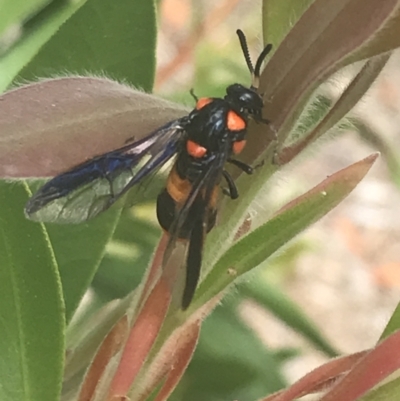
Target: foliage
{"x": 130, "y": 338}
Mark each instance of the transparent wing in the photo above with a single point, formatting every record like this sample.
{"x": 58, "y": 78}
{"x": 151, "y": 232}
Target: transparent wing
{"x": 93, "y": 186}
{"x": 184, "y": 213}
{"x": 150, "y": 186}
{"x": 196, "y": 208}
{"x": 203, "y": 187}
{"x": 195, "y": 252}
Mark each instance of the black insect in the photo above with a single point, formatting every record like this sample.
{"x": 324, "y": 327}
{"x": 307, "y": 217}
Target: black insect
{"x": 202, "y": 143}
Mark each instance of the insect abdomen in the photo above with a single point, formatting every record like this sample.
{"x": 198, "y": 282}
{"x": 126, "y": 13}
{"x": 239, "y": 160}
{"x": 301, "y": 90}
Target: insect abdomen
{"x": 171, "y": 200}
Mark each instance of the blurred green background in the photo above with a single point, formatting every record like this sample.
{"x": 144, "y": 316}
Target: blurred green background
{"x": 260, "y": 338}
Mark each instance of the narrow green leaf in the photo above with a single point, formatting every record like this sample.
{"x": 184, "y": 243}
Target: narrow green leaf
{"x": 103, "y": 37}
{"x": 386, "y": 392}
{"x": 34, "y": 36}
{"x": 256, "y": 247}
{"x": 393, "y": 324}
{"x": 31, "y": 306}
{"x": 230, "y": 362}
{"x": 286, "y": 310}
{"x": 15, "y": 11}
{"x": 86, "y": 333}
{"x": 79, "y": 250}
{"x": 119, "y": 39}
{"x": 128, "y": 254}
{"x": 279, "y": 16}
{"x": 347, "y": 100}
{"x": 387, "y": 147}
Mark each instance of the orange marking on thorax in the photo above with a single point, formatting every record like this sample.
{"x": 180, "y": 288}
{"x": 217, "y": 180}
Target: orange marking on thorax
{"x": 195, "y": 150}
{"x": 234, "y": 122}
{"x": 203, "y": 101}
{"x": 238, "y": 146}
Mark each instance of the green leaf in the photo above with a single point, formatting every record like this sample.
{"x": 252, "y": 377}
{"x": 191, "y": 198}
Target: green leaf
{"x": 384, "y": 144}
{"x": 286, "y": 310}
{"x": 31, "y": 306}
{"x": 87, "y": 331}
{"x": 230, "y": 362}
{"x": 34, "y": 36}
{"x": 386, "y": 392}
{"x": 119, "y": 39}
{"x": 79, "y": 250}
{"x": 279, "y": 16}
{"x": 14, "y": 11}
{"x": 347, "y": 100}
{"x": 256, "y": 247}
{"x": 103, "y": 37}
{"x": 393, "y": 324}
{"x": 128, "y": 253}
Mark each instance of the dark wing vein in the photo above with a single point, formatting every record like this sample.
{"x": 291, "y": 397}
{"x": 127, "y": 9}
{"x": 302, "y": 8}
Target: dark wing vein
{"x": 195, "y": 251}
{"x": 183, "y": 214}
{"x": 93, "y": 186}
{"x": 197, "y": 208}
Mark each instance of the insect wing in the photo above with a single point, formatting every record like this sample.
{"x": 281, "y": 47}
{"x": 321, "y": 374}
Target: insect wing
{"x": 183, "y": 214}
{"x": 195, "y": 252}
{"x": 93, "y": 186}
{"x": 196, "y": 207}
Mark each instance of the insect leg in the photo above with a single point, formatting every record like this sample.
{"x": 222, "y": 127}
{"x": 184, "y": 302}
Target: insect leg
{"x": 243, "y": 166}
{"x": 232, "y": 190}
{"x": 196, "y": 99}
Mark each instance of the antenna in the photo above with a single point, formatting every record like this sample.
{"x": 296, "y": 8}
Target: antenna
{"x": 255, "y": 72}
{"x": 245, "y": 50}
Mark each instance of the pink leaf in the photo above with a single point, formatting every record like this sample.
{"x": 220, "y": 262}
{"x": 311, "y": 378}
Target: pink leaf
{"x": 111, "y": 345}
{"x": 317, "y": 378}
{"x": 50, "y": 126}
{"x": 374, "y": 367}
{"x": 171, "y": 361}
{"x": 141, "y": 339}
